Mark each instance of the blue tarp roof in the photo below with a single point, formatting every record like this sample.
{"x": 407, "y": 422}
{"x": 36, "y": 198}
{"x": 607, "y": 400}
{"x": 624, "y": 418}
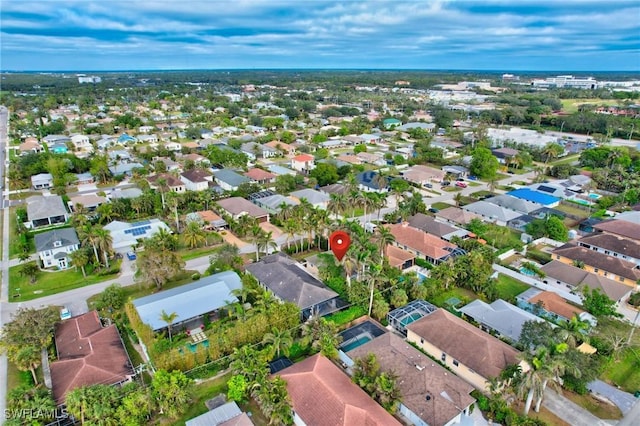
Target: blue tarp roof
{"x": 534, "y": 196}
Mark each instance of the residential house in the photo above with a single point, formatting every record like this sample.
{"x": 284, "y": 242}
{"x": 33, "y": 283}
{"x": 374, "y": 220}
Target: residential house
{"x": 45, "y": 211}
{"x": 431, "y": 226}
{"x": 196, "y": 158}
{"x": 127, "y": 193}
{"x": 254, "y": 150}
{"x": 90, "y": 202}
{"x": 51, "y": 140}
{"x": 457, "y": 171}
{"x": 316, "y": 198}
{"x": 335, "y": 188}
{"x": 88, "y": 354}
{"x": 492, "y": 213}
{"x": 126, "y": 169}
{"x": 576, "y": 279}
{"x": 228, "y": 414}
{"x": 290, "y": 282}
{"x": 429, "y": 394}
{"x": 303, "y": 163}
{"x": 284, "y": 148}
{"x": 30, "y": 146}
{"x": 500, "y": 318}
{"x": 238, "y": 206}
{"x": 456, "y": 216}
{"x": 429, "y": 127}
{"x": 151, "y": 139}
{"x": 191, "y": 302}
{"x": 84, "y": 179}
{"x": 261, "y": 177}
{"x": 505, "y": 155}
{"x": 146, "y": 129}
{"x": 272, "y": 203}
{"x": 125, "y": 235}
{"x": 543, "y": 199}
{"x": 370, "y": 139}
{"x": 208, "y": 218}
{"x": 196, "y": 179}
{"x": 170, "y": 165}
{"x": 552, "y": 189}
{"x": 621, "y": 227}
{"x": 423, "y": 175}
{"x": 613, "y": 245}
{"x": 426, "y": 246}
{"x": 371, "y": 181}
{"x": 166, "y": 182}
{"x": 391, "y": 123}
{"x": 372, "y": 158}
{"x": 614, "y": 268}
{"x": 515, "y": 204}
{"x": 173, "y": 146}
{"x": 321, "y": 394}
{"x": 54, "y": 247}
{"x": 469, "y": 352}
{"x": 550, "y": 305}
{"x": 42, "y": 181}
{"x": 279, "y": 170}
{"x": 399, "y": 258}
{"x": 229, "y": 180}
{"x": 82, "y": 143}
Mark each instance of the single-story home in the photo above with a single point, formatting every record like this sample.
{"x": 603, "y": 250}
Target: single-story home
{"x": 431, "y": 226}
{"x": 88, "y": 201}
{"x": 238, "y": 206}
{"x": 45, "y": 211}
{"x": 190, "y": 302}
{"x": 535, "y": 197}
{"x": 42, "y": 181}
{"x": 229, "y": 180}
{"x": 469, "y": 352}
{"x": 430, "y": 395}
{"x": 321, "y": 394}
{"x": 456, "y": 216}
{"x": 500, "y": 317}
{"x": 126, "y": 235}
{"x": 166, "y": 182}
{"x": 371, "y": 181}
{"x": 421, "y": 175}
{"x": 273, "y": 203}
{"x": 88, "y": 354}
{"x": 290, "y": 282}
{"x": 623, "y": 226}
{"x": 512, "y": 203}
{"x": 550, "y": 305}
{"x": 492, "y": 213}
{"x": 260, "y": 176}
{"x": 279, "y": 170}
{"x": 315, "y": 198}
{"x": 208, "y": 218}
{"x": 426, "y": 246}
{"x": 54, "y": 247}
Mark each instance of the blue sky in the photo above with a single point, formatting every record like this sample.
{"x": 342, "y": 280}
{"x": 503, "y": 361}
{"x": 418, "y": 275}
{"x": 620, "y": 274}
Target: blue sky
{"x": 394, "y": 34}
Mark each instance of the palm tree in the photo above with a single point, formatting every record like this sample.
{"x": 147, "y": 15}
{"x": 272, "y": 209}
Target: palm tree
{"x": 337, "y": 204}
{"x": 458, "y": 198}
{"x": 573, "y": 331}
{"x": 27, "y": 358}
{"x": 374, "y": 276}
{"x": 193, "y": 235}
{"x": 88, "y": 238}
{"x": 169, "y": 319}
{"x": 106, "y": 213}
{"x": 444, "y": 273}
{"x": 243, "y": 294}
{"x": 104, "y": 242}
{"x": 280, "y": 341}
{"x": 291, "y": 227}
{"x": 79, "y": 259}
{"x": 265, "y": 242}
{"x": 385, "y": 237}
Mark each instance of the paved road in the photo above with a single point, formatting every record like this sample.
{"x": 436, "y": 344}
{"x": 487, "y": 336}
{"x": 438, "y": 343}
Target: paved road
{"x": 4, "y": 286}
{"x": 624, "y": 400}
{"x": 632, "y": 418}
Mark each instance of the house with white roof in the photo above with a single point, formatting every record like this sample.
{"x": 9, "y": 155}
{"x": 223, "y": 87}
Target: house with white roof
{"x": 126, "y": 235}
{"x": 42, "y": 181}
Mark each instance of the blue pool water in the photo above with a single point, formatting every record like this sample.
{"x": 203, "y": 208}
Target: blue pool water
{"x": 358, "y": 341}
{"x": 593, "y": 196}
{"x": 421, "y": 277}
{"x": 527, "y": 272}
{"x": 410, "y": 318}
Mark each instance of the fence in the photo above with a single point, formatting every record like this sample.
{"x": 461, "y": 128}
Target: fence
{"x": 537, "y": 283}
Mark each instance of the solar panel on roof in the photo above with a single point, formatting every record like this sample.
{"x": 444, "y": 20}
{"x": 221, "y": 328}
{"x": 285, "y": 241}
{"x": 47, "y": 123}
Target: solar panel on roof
{"x": 548, "y": 189}
{"x": 140, "y": 223}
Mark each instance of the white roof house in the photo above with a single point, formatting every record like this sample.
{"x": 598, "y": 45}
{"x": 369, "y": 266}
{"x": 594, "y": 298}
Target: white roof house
{"x": 189, "y": 301}
{"x": 126, "y": 235}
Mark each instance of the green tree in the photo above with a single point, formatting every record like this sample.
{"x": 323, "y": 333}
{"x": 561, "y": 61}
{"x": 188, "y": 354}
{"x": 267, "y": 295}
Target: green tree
{"x": 597, "y": 303}
{"x": 26, "y": 358}
{"x": 237, "y": 388}
{"x": 265, "y": 242}
{"x": 104, "y": 243}
{"x": 79, "y": 259}
{"x": 172, "y": 392}
{"x": 30, "y": 399}
{"x": 484, "y": 164}
{"x": 193, "y": 235}
{"x": 168, "y": 318}
{"x": 29, "y": 270}
{"x": 227, "y": 256}
{"x": 157, "y": 266}
{"x": 29, "y": 327}
{"x": 112, "y": 297}
{"x": 325, "y": 174}
{"x": 95, "y": 404}
{"x": 136, "y": 405}
{"x": 279, "y": 340}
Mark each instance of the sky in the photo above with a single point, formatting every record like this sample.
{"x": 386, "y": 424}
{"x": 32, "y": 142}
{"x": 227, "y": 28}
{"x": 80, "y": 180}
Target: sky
{"x": 76, "y": 35}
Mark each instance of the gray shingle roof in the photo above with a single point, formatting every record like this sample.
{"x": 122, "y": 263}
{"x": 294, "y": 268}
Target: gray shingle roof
{"x": 189, "y": 301}
{"x": 288, "y": 281}
{"x": 45, "y": 241}
{"x": 230, "y": 177}
{"x": 501, "y": 316}
{"x": 40, "y": 207}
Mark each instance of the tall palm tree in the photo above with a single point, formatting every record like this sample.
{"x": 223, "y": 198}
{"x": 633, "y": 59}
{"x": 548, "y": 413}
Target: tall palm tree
{"x": 280, "y": 341}
{"x": 265, "y": 242}
{"x": 169, "y": 318}
{"x": 338, "y": 204}
{"x": 79, "y": 259}
{"x": 26, "y": 358}
{"x": 88, "y": 237}
{"x": 194, "y": 235}
{"x": 104, "y": 242}
{"x": 385, "y": 237}
{"x": 374, "y": 276}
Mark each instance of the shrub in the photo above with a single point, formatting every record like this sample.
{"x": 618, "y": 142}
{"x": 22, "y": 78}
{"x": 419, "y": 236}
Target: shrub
{"x": 195, "y": 276}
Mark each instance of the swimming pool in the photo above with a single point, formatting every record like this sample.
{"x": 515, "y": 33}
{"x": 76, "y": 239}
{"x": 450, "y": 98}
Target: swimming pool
{"x": 526, "y": 271}
{"x": 410, "y": 318}
{"x": 421, "y": 276}
{"x": 359, "y": 334}
{"x": 355, "y": 342}
{"x": 594, "y": 196}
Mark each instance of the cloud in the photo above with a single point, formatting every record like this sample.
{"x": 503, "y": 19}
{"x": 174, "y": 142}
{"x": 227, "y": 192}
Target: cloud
{"x": 319, "y": 34}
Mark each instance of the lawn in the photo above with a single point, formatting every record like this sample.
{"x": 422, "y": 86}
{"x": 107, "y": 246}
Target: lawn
{"x": 571, "y": 105}
{"x": 16, "y": 378}
{"x": 197, "y": 252}
{"x": 625, "y": 372}
{"x": 545, "y": 415}
{"x": 48, "y": 283}
{"x": 461, "y": 293}
{"x": 508, "y": 288}
{"x": 440, "y": 205}
{"x": 481, "y": 194}
{"x": 572, "y": 210}
{"x": 566, "y": 160}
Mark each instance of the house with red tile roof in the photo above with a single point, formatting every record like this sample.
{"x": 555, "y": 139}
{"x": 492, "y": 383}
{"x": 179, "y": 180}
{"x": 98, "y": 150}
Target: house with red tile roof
{"x": 423, "y": 245}
{"x": 281, "y": 146}
{"x": 321, "y": 394}
{"x": 303, "y": 163}
{"x": 260, "y": 176}
{"x": 88, "y": 354}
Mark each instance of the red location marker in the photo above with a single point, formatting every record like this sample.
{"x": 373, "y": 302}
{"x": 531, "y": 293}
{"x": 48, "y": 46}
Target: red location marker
{"x": 340, "y": 243}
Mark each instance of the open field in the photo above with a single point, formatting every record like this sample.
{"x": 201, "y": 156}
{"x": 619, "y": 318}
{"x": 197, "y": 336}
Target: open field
{"x": 571, "y": 105}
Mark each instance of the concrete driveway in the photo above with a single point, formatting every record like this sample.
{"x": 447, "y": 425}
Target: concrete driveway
{"x": 624, "y": 400}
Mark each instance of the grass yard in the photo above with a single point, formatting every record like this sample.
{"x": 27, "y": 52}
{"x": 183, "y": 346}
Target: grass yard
{"x": 48, "y": 283}
{"x": 23, "y": 195}
{"x": 202, "y": 393}
{"x": 508, "y": 288}
{"x": 596, "y": 407}
{"x": 16, "y": 378}
{"x": 625, "y": 372}
{"x": 197, "y": 252}
{"x": 481, "y": 194}
{"x": 545, "y": 415}
{"x": 461, "y": 293}
{"x": 572, "y": 210}
{"x": 571, "y": 105}
{"x": 440, "y": 205}
{"x": 569, "y": 159}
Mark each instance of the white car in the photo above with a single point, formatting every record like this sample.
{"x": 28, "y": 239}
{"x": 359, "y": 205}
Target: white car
{"x": 65, "y": 314}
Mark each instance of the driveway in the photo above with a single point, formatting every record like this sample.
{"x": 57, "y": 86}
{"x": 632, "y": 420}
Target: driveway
{"x": 569, "y": 411}
{"x": 624, "y": 400}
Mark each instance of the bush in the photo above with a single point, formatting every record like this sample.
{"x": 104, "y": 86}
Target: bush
{"x": 195, "y": 276}
{"x": 634, "y": 300}
{"x": 538, "y": 256}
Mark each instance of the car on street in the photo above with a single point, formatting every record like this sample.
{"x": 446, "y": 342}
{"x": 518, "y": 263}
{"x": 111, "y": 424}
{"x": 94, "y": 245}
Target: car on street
{"x": 446, "y": 183}
{"x": 65, "y": 313}
{"x": 472, "y": 177}
{"x": 461, "y": 184}
{"x": 131, "y": 255}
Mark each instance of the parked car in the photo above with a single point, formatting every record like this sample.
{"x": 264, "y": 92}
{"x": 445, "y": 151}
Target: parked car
{"x": 65, "y": 313}
{"x": 446, "y": 183}
{"x": 472, "y": 177}
{"x": 461, "y": 184}
{"x": 433, "y": 210}
{"x": 131, "y": 255}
